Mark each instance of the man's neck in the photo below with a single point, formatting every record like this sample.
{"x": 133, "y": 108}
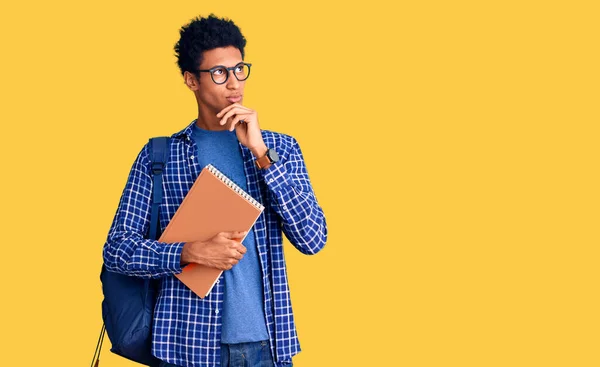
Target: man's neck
{"x": 208, "y": 121}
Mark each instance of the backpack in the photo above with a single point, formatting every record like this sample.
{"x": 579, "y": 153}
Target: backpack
{"x": 128, "y": 305}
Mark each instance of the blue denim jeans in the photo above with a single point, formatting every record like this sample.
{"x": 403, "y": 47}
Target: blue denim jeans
{"x": 255, "y": 354}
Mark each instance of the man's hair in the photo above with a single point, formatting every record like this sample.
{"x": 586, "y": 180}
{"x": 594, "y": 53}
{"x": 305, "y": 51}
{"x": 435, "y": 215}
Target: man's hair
{"x": 203, "y": 34}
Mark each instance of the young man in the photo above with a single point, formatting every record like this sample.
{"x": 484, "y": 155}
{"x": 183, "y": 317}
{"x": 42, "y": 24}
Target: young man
{"x": 247, "y": 319}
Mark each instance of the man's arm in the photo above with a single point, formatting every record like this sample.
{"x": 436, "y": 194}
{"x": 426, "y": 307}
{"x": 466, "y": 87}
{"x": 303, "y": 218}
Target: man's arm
{"x": 290, "y": 189}
{"x": 294, "y": 200}
{"x": 126, "y": 250}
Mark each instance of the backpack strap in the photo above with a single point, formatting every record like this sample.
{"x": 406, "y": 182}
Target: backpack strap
{"x": 159, "y": 155}
{"x": 96, "y": 359}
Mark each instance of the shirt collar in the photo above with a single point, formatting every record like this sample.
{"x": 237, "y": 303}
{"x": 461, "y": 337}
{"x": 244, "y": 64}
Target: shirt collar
{"x": 186, "y": 132}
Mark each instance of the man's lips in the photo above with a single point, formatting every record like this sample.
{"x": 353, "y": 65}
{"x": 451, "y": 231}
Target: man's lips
{"x": 234, "y": 99}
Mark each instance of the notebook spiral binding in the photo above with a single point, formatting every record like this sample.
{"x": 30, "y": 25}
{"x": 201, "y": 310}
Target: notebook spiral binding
{"x": 233, "y": 186}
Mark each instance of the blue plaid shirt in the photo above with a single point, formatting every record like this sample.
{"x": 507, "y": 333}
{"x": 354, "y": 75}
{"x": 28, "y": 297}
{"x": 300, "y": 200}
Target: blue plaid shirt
{"x": 187, "y": 329}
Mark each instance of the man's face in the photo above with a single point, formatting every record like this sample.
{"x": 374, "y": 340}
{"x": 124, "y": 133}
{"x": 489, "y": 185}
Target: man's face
{"x": 214, "y": 96}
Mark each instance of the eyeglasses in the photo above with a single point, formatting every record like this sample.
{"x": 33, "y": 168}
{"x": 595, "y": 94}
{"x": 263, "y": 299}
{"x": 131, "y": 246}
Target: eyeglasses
{"x": 220, "y": 73}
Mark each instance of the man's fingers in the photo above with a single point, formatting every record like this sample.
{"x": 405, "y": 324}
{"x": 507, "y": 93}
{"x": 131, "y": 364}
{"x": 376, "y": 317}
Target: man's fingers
{"x": 227, "y": 267}
{"x": 235, "y": 111}
{"x": 231, "y": 113}
{"x": 235, "y": 120}
{"x": 239, "y": 247}
{"x": 231, "y": 106}
{"x": 234, "y": 234}
{"x": 226, "y": 109}
{"x": 236, "y": 255}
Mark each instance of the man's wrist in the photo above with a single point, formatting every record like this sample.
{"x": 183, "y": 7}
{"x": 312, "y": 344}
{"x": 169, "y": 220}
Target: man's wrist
{"x": 187, "y": 254}
{"x": 260, "y": 151}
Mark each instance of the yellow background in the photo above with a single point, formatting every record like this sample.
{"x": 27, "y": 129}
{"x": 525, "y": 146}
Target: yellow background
{"x": 452, "y": 145}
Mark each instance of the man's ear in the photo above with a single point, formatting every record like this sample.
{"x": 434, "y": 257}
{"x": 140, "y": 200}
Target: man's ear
{"x": 190, "y": 80}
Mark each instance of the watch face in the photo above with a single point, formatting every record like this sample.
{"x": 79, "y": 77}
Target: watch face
{"x": 273, "y": 156}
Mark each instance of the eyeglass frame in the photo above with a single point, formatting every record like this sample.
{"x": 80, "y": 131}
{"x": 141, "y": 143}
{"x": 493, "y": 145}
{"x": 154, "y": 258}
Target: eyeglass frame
{"x": 228, "y": 69}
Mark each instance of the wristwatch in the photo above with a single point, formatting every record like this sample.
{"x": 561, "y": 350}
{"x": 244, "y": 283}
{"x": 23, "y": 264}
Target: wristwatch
{"x": 266, "y": 160}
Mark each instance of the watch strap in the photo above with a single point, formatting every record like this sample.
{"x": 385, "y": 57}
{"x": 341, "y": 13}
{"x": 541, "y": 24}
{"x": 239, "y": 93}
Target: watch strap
{"x": 263, "y": 162}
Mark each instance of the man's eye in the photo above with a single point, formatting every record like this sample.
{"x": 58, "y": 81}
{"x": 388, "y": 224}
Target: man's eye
{"x": 239, "y": 69}
{"x": 218, "y": 72}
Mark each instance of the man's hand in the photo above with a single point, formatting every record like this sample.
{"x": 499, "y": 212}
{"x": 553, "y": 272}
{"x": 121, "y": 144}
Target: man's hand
{"x": 248, "y": 132}
{"x": 222, "y": 251}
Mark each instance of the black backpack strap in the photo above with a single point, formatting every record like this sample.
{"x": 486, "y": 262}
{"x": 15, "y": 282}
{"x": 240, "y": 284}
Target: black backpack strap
{"x": 159, "y": 155}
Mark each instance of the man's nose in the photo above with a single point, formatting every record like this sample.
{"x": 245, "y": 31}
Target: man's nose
{"x": 232, "y": 81}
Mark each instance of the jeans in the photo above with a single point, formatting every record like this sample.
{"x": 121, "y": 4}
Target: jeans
{"x": 255, "y": 354}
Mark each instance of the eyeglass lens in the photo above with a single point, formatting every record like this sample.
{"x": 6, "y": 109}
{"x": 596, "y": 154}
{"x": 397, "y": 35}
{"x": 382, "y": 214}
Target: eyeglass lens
{"x": 220, "y": 75}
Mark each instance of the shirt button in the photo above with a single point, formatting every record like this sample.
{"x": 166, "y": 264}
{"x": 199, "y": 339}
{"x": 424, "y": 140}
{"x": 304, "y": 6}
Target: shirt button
{"x": 191, "y": 157}
{"x": 217, "y": 312}
{"x": 270, "y": 180}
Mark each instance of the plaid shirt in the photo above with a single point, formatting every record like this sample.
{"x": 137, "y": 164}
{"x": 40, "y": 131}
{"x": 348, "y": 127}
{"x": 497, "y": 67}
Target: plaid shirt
{"x": 187, "y": 329}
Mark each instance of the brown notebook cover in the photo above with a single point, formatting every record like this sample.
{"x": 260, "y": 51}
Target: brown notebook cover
{"x": 214, "y": 204}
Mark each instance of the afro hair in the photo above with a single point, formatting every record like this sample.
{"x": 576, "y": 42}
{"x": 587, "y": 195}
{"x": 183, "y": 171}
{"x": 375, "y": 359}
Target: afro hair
{"x": 203, "y": 34}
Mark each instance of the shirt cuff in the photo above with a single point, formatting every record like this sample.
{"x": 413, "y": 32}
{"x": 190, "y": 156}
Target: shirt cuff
{"x": 276, "y": 177}
{"x": 171, "y": 257}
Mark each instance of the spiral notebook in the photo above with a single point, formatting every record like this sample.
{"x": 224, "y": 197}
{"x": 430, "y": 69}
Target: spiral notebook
{"x": 214, "y": 204}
